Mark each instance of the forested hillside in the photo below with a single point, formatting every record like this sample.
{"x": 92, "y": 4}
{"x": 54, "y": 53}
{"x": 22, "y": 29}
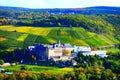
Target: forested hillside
{"x": 85, "y": 26}
{"x": 115, "y": 21}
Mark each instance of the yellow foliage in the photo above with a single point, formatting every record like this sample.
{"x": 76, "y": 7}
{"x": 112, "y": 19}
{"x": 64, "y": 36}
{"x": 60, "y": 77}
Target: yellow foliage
{"x": 23, "y": 29}
{"x": 3, "y": 76}
{"x": 66, "y": 69}
{"x": 83, "y": 43}
{"x": 23, "y": 75}
{"x": 64, "y": 33}
{"x": 2, "y": 39}
{"x": 30, "y": 29}
{"x": 51, "y": 40}
{"x": 81, "y": 70}
{"x": 22, "y": 37}
{"x": 8, "y": 28}
{"x": 97, "y": 70}
{"x": 44, "y": 31}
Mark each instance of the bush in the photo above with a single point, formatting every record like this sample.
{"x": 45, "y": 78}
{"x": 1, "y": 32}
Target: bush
{"x": 24, "y": 67}
{"x": 1, "y": 61}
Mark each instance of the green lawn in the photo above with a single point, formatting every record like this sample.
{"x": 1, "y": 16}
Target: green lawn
{"x": 35, "y": 68}
{"x": 113, "y": 50}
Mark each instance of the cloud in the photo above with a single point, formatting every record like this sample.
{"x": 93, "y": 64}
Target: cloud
{"x": 59, "y": 3}
{"x": 24, "y": 3}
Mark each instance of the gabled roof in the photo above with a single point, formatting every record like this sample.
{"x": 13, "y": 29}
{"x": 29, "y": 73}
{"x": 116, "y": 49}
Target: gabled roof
{"x": 67, "y": 46}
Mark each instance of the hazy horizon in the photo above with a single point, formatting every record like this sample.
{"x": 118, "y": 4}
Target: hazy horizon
{"x": 59, "y": 3}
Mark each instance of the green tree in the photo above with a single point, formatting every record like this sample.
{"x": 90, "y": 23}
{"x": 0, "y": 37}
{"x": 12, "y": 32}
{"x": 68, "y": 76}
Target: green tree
{"x": 104, "y": 76}
{"x": 70, "y": 76}
{"x": 59, "y": 24}
{"x": 1, "y": 61}
{"x": 24, "y": 67}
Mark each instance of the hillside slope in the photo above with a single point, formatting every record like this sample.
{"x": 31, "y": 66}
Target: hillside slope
{"x": 23, "y": 36}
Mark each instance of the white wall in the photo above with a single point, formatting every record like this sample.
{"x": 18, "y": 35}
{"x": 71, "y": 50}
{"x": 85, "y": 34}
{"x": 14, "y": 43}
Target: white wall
{"x": 54, "y": 52}
{"x": 101, "y": 53}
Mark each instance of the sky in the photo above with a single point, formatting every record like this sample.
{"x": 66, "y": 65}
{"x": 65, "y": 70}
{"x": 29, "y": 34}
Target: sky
{"x": 59, "y": 3}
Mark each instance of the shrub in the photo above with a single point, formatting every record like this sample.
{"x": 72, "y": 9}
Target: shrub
{"x": 24, "y": 67}
{"x": 1, "y": 61}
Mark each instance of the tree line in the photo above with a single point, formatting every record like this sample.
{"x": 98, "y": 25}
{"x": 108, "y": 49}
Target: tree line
{"x": 87, "y": 68}
{"x": 91, "y": 23}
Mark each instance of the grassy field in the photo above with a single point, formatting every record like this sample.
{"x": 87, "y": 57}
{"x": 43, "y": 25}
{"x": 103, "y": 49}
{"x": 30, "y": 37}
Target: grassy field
{"x": 113, "y": 50}
{"x": 12, "y": 36}
{"x": 35, "y": 68}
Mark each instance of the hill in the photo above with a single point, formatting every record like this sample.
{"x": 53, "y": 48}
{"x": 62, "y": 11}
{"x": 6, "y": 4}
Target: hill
{"x": 87, "y": 10}
{"x": 115, "y": 21}
{"x": 23, "y": 36}
{"x": 93, "y": 26}
{"x": 97, "y": 22}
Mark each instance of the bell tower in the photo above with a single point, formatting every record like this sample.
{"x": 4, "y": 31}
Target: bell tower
{"x": 59, "y": 43}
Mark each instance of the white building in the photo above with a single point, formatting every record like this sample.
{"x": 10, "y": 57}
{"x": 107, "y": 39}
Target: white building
{"x": 60, "y": 51}
{"x": 101, "y": 53}
{"x": 54, "y": 52}
{"x": 31, "y": 47}
{"x": 1, "y": 69}
{"x": 83, "y": 48}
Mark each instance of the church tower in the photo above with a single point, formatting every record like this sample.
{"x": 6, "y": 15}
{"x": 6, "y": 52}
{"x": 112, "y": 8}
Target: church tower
{"x": 59, "y": 43}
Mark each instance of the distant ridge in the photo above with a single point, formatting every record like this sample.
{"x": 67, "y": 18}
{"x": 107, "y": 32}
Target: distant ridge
{"x": 87, "y": 10}
{"x": 107, "y": 7}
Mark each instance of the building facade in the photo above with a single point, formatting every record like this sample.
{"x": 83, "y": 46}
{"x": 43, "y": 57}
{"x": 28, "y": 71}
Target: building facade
{"x": 60, "y": 51}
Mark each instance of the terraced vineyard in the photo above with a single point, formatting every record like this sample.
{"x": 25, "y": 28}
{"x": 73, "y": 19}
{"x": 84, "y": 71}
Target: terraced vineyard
{"x": 20, "y": 36}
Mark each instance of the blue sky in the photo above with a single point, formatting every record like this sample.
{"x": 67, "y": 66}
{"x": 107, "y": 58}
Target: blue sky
{"x": 59, "y": 3}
